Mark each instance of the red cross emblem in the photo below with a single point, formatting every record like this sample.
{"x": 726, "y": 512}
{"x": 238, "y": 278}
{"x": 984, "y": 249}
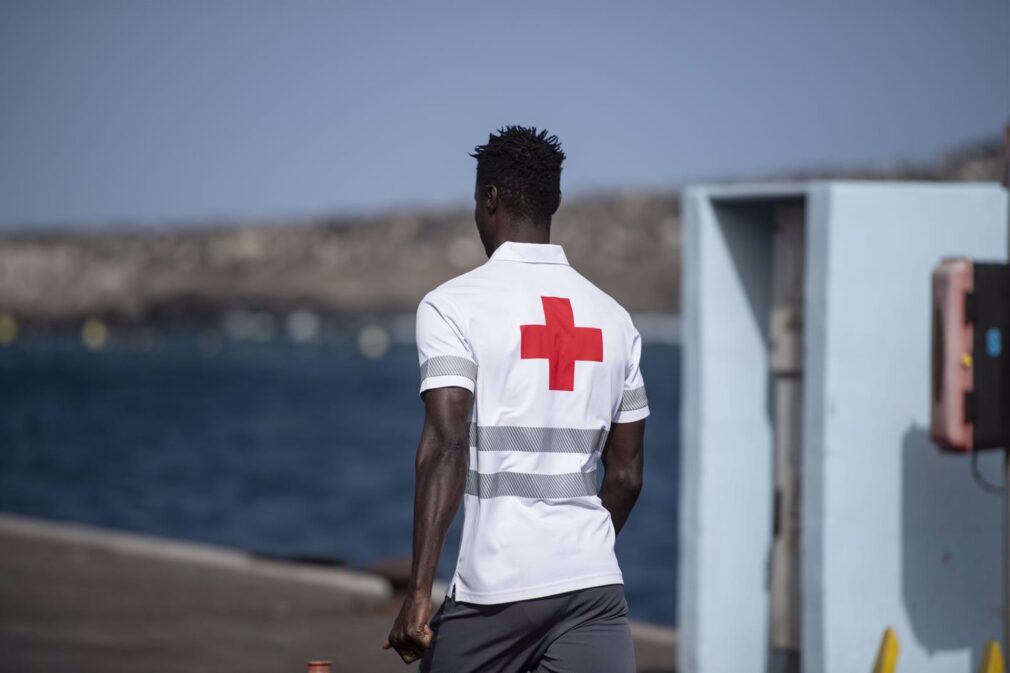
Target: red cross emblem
{"x": 561, "y": 342}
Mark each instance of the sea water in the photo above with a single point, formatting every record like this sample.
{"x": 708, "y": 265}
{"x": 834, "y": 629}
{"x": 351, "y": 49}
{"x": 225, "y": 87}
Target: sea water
{"x": 291, "y": 450}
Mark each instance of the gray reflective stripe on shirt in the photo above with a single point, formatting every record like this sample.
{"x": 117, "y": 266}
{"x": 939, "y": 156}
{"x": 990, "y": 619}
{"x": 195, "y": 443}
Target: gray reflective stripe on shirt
{"x": 449, "y": 365}
{"x": 634, "y": 399}
{"x": 536, "y": 440}
{"x": 526, "y": 485}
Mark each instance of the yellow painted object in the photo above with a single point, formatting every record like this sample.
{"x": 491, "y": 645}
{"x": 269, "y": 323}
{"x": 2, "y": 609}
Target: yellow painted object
{"x": 887, "y": 657}
{"x": 94, "y": 334}
{"x": 992, "y": 659}
{"x": 8, "y": 329}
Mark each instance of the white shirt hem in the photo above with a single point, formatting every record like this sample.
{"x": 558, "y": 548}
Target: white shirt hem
{"x": 537, "y": 591}
{"x": 446, "y": 382}
{"x": 632, "y": 416}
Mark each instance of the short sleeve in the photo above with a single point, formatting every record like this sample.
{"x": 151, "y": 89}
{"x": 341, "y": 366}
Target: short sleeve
{"x": 634, "y": 403}
{"x": 443, "y": 349}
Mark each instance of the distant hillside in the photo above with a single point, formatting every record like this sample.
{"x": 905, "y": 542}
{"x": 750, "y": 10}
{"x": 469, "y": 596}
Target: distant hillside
{"x": 627, "y": 243}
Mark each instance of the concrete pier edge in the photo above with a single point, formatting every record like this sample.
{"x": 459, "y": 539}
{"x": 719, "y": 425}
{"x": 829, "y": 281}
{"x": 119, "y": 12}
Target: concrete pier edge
{"x": 357, "y": 583}
{"x": 655, "y": 644}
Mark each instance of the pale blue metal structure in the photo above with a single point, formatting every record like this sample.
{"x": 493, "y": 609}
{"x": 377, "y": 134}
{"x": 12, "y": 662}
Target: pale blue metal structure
{"x": 893, "y": 532}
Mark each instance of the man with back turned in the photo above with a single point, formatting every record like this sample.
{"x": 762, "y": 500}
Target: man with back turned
{"x": 529, "y": 376}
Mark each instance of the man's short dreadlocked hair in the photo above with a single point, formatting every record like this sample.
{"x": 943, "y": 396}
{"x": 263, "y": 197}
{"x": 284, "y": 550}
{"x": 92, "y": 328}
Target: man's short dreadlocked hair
{"x": 525, "y": 166}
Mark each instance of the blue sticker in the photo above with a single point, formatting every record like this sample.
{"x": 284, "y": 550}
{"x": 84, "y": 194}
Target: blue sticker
{"x": 993, "y": 342}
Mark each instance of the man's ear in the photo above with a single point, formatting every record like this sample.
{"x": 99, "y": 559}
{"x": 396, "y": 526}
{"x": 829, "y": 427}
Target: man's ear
{"x": 491, "y": 199}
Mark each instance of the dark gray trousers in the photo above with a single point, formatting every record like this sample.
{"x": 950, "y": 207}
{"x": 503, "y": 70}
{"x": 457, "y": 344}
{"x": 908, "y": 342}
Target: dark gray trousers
{"x": 581, "y": 631}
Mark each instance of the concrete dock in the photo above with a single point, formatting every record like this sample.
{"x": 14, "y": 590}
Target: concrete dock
{"x": 85, "y": 599}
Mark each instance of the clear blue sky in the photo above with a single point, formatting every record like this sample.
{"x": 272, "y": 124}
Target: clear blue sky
{"x": 169, "y": 111}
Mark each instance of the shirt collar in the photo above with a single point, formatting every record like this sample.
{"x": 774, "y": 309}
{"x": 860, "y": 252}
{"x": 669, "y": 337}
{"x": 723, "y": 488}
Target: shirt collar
{"x": 536, "y": 253}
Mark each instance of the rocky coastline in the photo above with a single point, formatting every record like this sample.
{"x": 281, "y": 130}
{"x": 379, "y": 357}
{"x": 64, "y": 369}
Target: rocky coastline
{"x": 344, "y": 267}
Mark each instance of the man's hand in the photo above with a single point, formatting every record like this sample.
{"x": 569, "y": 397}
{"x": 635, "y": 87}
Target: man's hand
{"x": 411, "y": 635}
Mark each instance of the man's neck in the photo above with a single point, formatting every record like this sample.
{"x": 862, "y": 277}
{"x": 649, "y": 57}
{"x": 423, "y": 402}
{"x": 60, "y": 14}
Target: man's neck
{"x": 525, "y": 232}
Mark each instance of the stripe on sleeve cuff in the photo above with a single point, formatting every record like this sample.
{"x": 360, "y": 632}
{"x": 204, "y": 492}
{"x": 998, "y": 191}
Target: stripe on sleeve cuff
{"x": 631, "y": 416}
{"x": 443, "y": 371}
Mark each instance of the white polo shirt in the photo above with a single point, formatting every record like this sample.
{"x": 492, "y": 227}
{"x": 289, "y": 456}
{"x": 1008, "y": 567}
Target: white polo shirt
{"x": 552, "y": 362}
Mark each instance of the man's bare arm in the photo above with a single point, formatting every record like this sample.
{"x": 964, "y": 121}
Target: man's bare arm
{"x": 443, "y": 457}
{"x": 622, "y": 461}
